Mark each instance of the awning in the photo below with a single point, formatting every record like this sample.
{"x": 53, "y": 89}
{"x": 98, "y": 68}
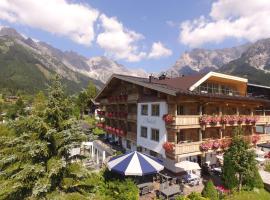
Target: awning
{"x": 135, "y": 164}
{"x": 188, "y": 165}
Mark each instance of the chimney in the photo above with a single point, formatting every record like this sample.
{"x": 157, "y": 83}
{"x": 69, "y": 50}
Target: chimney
{"x": 150, "y": 78}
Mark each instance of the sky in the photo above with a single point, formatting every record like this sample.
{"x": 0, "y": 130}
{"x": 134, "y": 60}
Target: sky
{"x": 148, "y": 34}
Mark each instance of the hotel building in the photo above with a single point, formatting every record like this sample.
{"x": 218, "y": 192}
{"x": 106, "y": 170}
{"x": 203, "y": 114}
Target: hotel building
{"x": 184, "y": 118}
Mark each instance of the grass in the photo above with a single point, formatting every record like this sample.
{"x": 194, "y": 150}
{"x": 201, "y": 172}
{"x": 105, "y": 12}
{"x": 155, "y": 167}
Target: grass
{"x": 257, "y": 194}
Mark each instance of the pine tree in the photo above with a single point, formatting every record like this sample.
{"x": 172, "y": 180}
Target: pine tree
{"x": 34, "y": 155}
{"x": 239, "y": 162}
{"x": 209, "y": 191}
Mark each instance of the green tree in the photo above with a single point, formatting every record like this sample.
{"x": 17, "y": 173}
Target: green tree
{"x": 85, "y": 96}
{"x": 91, "y": 90}
{"x": 210, "y": 191}
{"x": 239, "y": 162}
{"x": 39, "y": 103}
{"x": 35, "y": 160}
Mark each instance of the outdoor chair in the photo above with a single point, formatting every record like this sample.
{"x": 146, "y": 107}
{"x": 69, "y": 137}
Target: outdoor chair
{"x": 145, "y": 191}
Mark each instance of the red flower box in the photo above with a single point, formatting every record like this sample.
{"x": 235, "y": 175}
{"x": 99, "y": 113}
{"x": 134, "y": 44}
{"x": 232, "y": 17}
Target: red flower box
{"x": 168, "y": 118}
{"x": 216, "y": 144}
{"x": 205, "y": 119}
{"x": 168, "y": 146}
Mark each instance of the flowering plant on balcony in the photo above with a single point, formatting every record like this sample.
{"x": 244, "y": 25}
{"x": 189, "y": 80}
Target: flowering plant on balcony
{"x": 233, "y": 119}
{"x": 255, "y": 118}
{"x": 168, "y": 146}
{"x": 225, "y": 119}
{"x": 205, "y": 119}
{"x": 205, "y": 146}
{"x": 255, "y": 139}
{"x": 214, "y": 119}
{"x": 225, "y": 143}
{"x": 216, "y": 144}
{"x": 241, "y": 119}
{"x": 101, "y": 113}
{"x": 123, "y": 97}
{"x": 168, "y": 118}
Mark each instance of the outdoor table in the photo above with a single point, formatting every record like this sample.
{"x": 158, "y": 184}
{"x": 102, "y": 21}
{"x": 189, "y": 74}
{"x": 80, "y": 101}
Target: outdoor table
{"x": 171, "y": 191}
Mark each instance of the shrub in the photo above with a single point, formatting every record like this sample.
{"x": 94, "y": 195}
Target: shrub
{"x": 210, "y": 191}
{"x": 197, "y": 196}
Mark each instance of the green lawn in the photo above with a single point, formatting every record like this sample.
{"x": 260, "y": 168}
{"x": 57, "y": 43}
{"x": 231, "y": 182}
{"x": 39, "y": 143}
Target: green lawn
{"x": 250, "y": 195}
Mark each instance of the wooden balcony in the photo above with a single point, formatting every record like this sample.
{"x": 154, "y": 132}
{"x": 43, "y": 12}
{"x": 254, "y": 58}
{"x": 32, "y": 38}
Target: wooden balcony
{"x": 264, "y": 138}
{"x": 264, "y": 120}
{"x": 194, "y": 147}
{"x": 132, "y": 116}
{"x": 132, "y": 136}
{"x": 193, "y": 121}
{"x": 133, "y": 98}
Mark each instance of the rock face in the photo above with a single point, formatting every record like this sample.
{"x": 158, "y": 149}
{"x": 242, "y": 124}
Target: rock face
{"x": 203, "y": 60}
{"x": 98, "y": 68}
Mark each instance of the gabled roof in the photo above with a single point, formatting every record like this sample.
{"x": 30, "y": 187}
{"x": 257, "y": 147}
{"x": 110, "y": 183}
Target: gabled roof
{"x": 180, "y": 85}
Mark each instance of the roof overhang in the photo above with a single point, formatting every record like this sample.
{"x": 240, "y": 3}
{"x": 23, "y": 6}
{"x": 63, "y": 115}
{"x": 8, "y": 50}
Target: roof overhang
{"x": 153, "y": 86}
{"x": 218, "y": 75}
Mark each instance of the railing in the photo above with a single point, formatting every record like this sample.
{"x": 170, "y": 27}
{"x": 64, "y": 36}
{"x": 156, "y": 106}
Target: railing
{"x": 104, "y": 101}
{"x": 194, "y": 120}
{"x": 133, "y": 97}
{"x": 194, "y": 147}
{"x": 264, "y": 138}
{"x": 215, "y": 90}
{"x": 187, "y": 148}
{"x": 263, "y": 119}
{"x": 132, "y": 116}
{"x": 184, "y": 120}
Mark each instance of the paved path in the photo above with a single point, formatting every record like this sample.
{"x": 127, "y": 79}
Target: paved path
{"x": 265, "y": 176}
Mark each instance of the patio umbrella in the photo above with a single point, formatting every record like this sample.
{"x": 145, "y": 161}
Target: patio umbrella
{"x": 135, "y": 164}
{"x": 187, "y": 165}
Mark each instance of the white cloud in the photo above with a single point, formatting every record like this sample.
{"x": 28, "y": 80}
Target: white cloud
{"x": 158, "y": 50}
{"x": 60, "y": 17}
{"x": 238, "y": 19}
{"x": 118, "y": 41}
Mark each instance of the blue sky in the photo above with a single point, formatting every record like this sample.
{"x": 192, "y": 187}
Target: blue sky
{"x": 156, "y": 32}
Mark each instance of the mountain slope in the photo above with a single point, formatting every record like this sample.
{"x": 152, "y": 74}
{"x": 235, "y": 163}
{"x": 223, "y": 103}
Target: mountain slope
{"x": 22, "y": 69}
{"x": 203, "y": 60}
{"x": 27, "y": 64}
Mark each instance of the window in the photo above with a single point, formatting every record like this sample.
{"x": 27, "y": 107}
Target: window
{"x": 155, "y": 135}
{"x": 128, "y": 144}
{"x": 143, "y": 132}
{"x": 144, "y": 110}
{"x": 155, "y": 109}
{"x": 180, "y": 109}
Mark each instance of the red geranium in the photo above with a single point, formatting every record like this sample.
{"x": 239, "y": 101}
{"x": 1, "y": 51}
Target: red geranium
{"x": 168, "y": 146}
{"x": 168, "y": 118}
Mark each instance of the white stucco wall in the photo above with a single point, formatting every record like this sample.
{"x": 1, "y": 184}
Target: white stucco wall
{"x": 150, "y": 122}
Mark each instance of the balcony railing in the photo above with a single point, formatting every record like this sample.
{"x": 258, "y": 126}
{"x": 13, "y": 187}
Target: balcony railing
{"x": 216, "y": 90}
{"x": 132, "y": 116}
{"x": 194, "y": 121}
{"x": 133, "y": 97}
{"x": 194, "y": 147}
